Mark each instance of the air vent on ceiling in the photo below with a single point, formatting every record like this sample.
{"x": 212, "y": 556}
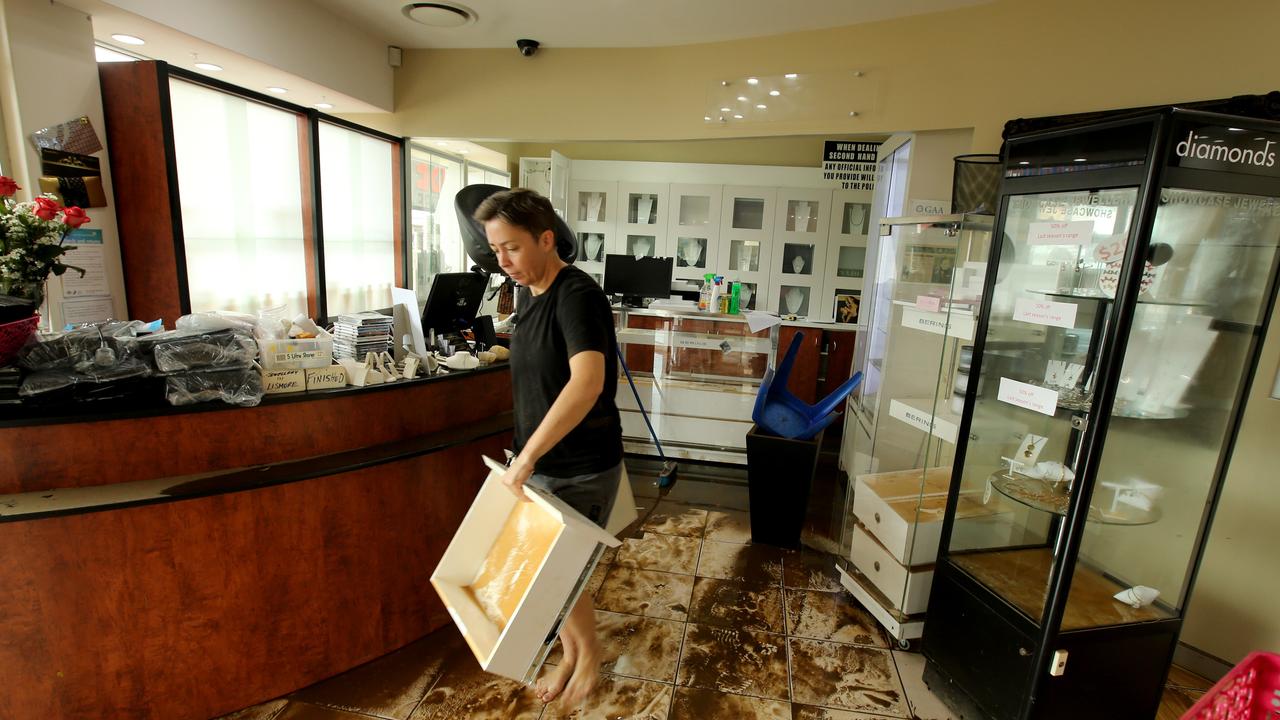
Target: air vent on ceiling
{"x": 439, "y": 14}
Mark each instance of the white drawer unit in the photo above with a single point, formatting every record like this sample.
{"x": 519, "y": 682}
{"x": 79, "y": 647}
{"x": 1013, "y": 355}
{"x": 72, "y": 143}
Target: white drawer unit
{"x": 907, "y": 589}
{"x": 904, "y": 511}
{"x": 511, "y": 573}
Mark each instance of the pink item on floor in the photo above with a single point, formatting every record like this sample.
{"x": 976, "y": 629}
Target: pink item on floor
{"x": 1251, "y": 691}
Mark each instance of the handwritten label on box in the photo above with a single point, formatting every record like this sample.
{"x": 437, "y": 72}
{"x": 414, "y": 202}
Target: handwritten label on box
{"x": 1079, "y": 232}
{"x": 1041, "y": 400}
{"x": 932, "y": 303}
{"x": 283, "y": 381}
{"x": 333, "y": 376}
{"x": 1043, "y": 312}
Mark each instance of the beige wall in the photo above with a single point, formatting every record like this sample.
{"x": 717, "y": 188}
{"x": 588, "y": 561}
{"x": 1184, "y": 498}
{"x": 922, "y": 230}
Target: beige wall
{"x": 975, "y": 67}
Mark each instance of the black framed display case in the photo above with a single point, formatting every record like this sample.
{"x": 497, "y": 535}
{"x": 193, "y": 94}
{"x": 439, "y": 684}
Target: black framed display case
{"x": 1131, "y": 279}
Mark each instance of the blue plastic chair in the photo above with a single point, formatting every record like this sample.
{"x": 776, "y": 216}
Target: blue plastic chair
{"x": 781, "y": 413}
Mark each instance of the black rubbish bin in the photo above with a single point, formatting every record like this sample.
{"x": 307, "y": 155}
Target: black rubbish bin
{"x": 779, "y": 476}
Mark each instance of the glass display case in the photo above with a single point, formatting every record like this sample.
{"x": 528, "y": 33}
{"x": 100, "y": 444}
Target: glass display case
{"x": 800, "y": 252}
{"x": 1131, "y": 281}
{"x": 697, "y": 375}
{"x": 693, "y": 230}
{"x": 593, "y": 210}
{"x": 746, "y": 241}
{"x": 906, "y": 421}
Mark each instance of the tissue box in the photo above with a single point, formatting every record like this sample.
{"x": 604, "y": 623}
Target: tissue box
{"x": 512, "y": 572}
{"x": 296, "y": 354}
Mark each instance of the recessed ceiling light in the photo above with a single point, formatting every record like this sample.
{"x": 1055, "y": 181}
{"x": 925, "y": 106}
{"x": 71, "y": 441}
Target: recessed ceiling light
{"x": 725, "y": 109}
{"x": 277, "y": 90}
{"x": 128, "y": 39}
{"x": 324, "y": 106}
{"x": 1236, "y": 129}
{"x": 762, "y": 106}
{"x": 209, "y": 66}
{"x": 707, "y": 118}
{"x": 1025, "y": 162}
{"x": 439, "y": 14}
{"x": 737, "y": 117}
{"x": 753, "y": 81}
{"x": 1081, "y": 159}
{"x": 775, "y": 93}
{"x": 742, "y": 98}
{"x": 790, "y": 76}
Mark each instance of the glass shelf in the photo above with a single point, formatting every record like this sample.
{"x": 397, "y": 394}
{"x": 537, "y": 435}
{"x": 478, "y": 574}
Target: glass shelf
{"x": 1053, "y": 498}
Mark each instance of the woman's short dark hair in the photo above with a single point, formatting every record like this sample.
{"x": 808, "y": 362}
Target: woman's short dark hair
{"x": 522, "y": 208}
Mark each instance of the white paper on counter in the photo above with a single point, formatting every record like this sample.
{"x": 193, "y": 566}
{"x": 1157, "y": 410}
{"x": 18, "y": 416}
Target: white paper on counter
{"x": 87, "y": 310}
{"x": 758, "y": 320}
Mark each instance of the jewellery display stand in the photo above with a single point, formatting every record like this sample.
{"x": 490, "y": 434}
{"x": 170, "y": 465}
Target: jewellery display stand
{"x": 593, "y": 209}
{"x": 1130, "y": 282}
{"x": 693, "y": 230}
{"x": 905, "y": 428}
{"x": 747, "y": 240}
{"x": 800, "y": 252}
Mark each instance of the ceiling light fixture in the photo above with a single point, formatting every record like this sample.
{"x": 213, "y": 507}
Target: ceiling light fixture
{"x": 725, "y": 109}
{"x": 1081, "y": 160}
{"x": 762, "y": 106}
{"x": 737, "y": 117}
{"x": 1024, "y": 162}
{"x": 790, "y": 76}
{"x": 753, "y": 81}
{"x": 707, "y": 118}
{"x": 277, "y": 90}
{"x": 742, "y": 98}
{"x": 775, "y": 93}
{"x": 128, "y": 39}
{"x": 209, "y": 66}
{"x": 324, "y": 106}
{"x": 439, "y": 14}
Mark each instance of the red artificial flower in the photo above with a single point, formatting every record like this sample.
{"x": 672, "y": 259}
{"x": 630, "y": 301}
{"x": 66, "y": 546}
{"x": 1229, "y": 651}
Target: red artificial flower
{"x": 74, "y": 217}
{"x": 8, "y": 187}
{"x": 46, "y": 209}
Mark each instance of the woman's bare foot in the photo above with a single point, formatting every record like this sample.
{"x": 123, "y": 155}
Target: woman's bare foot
{"x": 585, "y": 676}
{"x": 550, "y": 686}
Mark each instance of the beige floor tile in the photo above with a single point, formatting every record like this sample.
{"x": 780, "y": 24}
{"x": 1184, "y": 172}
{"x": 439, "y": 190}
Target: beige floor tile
{"x": 734, "y": 604}
{"x": 618, "y": 697}
{"x": 810, "y": 570}
{"x": 466, "y": 691}
{"x": 666, "y": 553}
{"x": 699, "y": 704}
{"x": 670, "y": 518}
{"x": 646, "y": 592}
{"x": 845, "y": 677}
{"x": 741, "y": 662}
{"x": 732, "y": 526}
{"x": 639, "y": 647}
{"x": 809, "y": 712}
{"x": 1182, "y": 678}
{"x": 924, "y": 704}
{"x": 834, "y": 616}
{"x": 596, "y": 580}
{"x": 755, "y": 564}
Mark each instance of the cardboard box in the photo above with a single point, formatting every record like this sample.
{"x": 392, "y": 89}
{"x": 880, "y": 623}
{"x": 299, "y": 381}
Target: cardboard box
{"x": 512, "y": 572}
{"x": 283, "y": 381}
{"x": 324, "y": 378}
{"x": 296, "y": 353}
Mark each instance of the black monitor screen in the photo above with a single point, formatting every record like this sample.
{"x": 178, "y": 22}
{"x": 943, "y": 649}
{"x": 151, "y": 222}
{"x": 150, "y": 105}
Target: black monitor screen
{"x": 642, "y": 277}
{"x": 453, "y": 301}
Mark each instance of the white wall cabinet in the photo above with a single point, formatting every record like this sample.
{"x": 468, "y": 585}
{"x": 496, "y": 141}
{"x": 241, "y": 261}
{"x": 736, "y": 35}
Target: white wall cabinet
{"x": 593, "y": 214}
{"x": 799, "y": 254}
{"x": 693, "y": 230}
{"x": 746, "y": 241}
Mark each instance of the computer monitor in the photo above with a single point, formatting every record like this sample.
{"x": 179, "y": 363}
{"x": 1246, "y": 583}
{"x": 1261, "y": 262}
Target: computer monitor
{"x": 453, "y": 301}
{"x": 636, "y": 278}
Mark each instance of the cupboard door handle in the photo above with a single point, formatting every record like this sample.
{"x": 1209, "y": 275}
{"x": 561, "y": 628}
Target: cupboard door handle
{"x": 1024, "y": 652}
{"x": 876, "y": 565}
{"x": 877, "y": 518}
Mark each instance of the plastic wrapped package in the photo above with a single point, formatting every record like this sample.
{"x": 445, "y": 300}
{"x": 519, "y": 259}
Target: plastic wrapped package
{"x": 213, "y": 321}
{"x": 183, "y": 351}
{"x": 239, "y": 386}
{"x": 84, "y": 345}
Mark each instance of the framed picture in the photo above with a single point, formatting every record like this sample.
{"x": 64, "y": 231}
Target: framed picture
{"x": 847, "y": 303}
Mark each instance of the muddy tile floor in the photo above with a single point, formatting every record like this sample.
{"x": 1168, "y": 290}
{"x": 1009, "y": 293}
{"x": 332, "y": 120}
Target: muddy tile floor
{"x": 695, "y": 622}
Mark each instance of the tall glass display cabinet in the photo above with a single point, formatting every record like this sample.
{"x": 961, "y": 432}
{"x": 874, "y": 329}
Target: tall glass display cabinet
{"x": 1131, "y": 280}
{"x": 925, "y": 292}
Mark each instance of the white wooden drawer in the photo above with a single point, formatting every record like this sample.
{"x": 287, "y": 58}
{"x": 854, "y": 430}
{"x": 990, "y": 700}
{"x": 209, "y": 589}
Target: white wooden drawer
{"x": 529, "y": 560}
{"x": 906, "y": 588}
{"x": 891, "y": 507}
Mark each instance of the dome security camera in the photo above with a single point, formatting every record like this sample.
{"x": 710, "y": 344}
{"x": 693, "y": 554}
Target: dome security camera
{"x": 527, "y": 47}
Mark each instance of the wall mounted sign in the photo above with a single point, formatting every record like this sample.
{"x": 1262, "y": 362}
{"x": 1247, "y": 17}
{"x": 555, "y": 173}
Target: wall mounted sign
{"x": 1225, "y": 149}
{"x": 850, "y": 165}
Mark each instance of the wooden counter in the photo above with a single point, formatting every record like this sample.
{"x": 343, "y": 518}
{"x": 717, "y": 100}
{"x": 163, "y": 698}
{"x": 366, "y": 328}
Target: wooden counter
{"x": 249, "y": 552}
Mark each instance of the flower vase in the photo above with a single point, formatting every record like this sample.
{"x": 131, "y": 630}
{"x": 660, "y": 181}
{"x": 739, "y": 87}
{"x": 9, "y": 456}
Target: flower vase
{"x": 22, "y": 299}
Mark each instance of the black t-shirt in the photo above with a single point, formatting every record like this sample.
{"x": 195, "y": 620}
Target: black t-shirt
{"x": 573, "y": 315}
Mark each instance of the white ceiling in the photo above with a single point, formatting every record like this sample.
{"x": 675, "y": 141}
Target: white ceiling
{"x": 622, "y": 23}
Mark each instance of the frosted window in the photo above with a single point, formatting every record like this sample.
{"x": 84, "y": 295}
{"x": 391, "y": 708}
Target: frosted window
{"x": 434, "y": 180}
{"x": 358, "y": 204}
{"x": 241, "y": 196}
